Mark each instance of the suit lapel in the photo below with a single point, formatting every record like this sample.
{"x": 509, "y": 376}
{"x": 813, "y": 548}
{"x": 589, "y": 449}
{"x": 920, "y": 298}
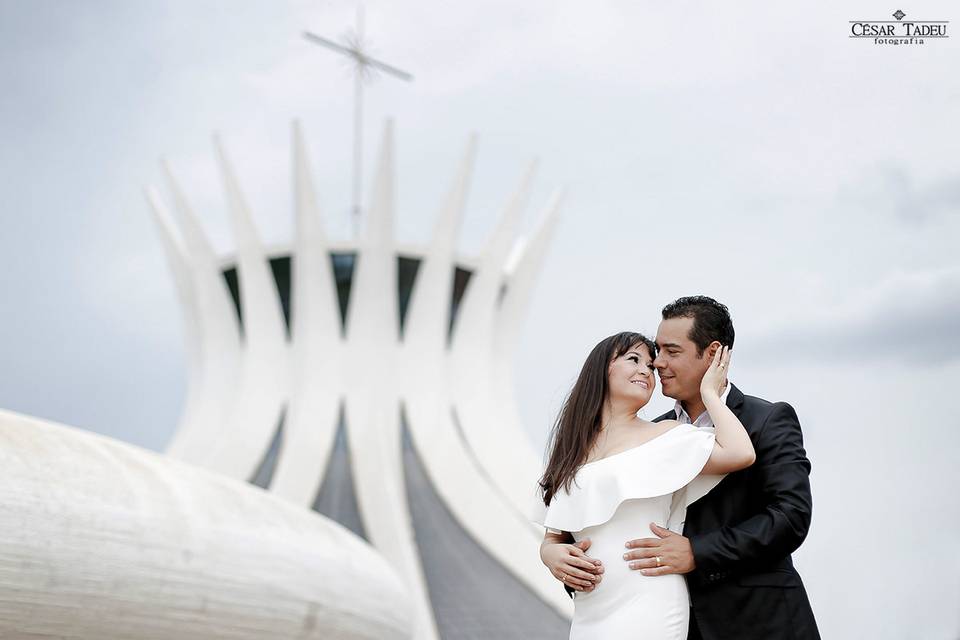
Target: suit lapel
{"x": 669, "y": 415}
{"x": 735, "y": 400}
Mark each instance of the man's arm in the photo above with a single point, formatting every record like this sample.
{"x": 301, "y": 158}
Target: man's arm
{"x": 555, "y": 553}
{"x": 783, "y": 471}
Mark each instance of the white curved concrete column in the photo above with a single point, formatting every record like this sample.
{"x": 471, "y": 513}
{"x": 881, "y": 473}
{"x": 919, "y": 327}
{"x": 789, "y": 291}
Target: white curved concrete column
{"x": 506, "y": 454}
{"x": 218, "y": 355}
{"x": 264, "y": 374}
{"x": 481, "y": 510}
{"x": 473, "y": 335}
{"x": 522, "y": 279}
{"x": 190, "y": 421}
{"x": 509, "y": 323}
{"x": 452, "y": 470}
{"x": 102, "y": 540}
{"x": 372, "y": 398}
{"x": 428, "y": 311}
{"x": 316, "y": 347}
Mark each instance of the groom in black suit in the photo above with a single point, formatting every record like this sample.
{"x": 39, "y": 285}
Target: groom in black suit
{"x": 737, "y": 540}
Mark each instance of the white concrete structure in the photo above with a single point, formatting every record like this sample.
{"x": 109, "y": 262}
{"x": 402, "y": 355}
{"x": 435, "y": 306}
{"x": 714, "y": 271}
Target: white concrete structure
{"x": 102, "y": 540}
{"x": 386, "y": 370}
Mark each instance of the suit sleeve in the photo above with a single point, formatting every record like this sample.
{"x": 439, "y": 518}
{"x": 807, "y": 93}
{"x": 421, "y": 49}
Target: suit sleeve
{"x": 782, "y": 472}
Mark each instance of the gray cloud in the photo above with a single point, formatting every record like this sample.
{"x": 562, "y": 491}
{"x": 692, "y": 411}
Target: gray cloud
{"x": 893, "y": 188}
{"x": 912, "y": 317}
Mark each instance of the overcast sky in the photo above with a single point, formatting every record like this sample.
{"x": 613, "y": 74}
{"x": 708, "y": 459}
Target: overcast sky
{"x": 752, "y": 152}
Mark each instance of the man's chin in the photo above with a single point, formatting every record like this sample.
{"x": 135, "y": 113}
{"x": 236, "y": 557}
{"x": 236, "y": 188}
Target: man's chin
{"x": 667, "y": 390}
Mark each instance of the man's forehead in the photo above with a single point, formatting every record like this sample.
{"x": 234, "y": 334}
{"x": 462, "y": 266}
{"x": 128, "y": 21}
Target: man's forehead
{"x": 674, "y": 330}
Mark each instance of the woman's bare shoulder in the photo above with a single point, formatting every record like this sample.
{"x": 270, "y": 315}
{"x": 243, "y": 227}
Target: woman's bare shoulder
{"x": 654, "y": 429}
{"x": 665, "y": 425}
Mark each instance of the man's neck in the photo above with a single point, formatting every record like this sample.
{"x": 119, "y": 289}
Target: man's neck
{"x": 694, "y": 407}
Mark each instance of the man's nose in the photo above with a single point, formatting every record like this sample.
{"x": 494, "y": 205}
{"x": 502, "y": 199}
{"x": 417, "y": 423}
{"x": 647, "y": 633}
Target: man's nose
{"x": 658, "y": 362}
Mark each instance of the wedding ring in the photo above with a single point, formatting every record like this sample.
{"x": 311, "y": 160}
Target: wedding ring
{"x": 658, "y": 561}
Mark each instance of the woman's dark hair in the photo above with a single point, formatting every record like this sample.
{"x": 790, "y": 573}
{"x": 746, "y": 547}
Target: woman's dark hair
{"x": 711, "y": 320}
{"x": 578, "y": 424}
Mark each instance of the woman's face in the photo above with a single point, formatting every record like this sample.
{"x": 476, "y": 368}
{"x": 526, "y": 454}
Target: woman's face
{"x": 630, "y": 376}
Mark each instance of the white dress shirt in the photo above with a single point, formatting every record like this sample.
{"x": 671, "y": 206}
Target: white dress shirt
{"x": 703, "y": 420}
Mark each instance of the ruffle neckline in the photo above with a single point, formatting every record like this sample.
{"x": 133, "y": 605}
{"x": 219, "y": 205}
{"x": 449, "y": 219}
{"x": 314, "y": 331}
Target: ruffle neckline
{"x": 658, "y": 467}
{"x": 630, "y": 449}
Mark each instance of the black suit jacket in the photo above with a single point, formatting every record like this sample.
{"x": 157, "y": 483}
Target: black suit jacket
{"x": 743, "y": 532}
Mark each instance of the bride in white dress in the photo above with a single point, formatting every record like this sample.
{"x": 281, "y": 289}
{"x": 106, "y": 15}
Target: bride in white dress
{"x": 610, "y": 474}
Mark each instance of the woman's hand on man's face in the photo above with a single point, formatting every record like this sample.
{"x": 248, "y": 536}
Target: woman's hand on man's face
{"x": 715, "y": 379}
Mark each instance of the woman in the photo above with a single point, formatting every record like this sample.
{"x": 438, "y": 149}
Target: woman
{"x": 611, "y": 473}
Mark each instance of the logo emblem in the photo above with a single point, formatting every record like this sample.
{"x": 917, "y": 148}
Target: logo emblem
{"x": 899, "y": 31}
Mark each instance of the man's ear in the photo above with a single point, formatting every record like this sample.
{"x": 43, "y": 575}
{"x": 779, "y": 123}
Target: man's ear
{"x": 711, "y": 349}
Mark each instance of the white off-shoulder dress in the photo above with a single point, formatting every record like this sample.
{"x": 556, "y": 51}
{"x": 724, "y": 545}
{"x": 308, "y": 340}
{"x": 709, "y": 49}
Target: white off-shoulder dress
{"x": 614, "y": 500}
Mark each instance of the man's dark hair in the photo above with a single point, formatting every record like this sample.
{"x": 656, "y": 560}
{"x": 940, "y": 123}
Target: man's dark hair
{"x": 711, "y": 320}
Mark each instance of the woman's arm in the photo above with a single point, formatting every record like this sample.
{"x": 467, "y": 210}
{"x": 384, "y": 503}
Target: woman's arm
{"x": 732, "y": 449}
{"x": 568, "y": 563}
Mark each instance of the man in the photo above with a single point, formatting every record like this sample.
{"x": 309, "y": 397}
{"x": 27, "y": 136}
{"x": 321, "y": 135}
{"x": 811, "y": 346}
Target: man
{"x": 737, "y": 540}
